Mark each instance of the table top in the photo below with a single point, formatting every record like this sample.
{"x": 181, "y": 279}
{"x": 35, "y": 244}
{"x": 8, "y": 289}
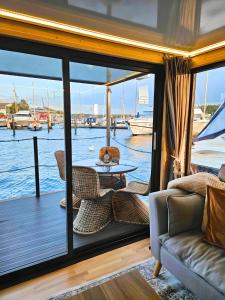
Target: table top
{"x": 130, "y": 286}
{"x": 124, "y": 166}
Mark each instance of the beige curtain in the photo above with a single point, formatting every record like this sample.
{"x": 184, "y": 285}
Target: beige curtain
{"x": 178, "y": 103}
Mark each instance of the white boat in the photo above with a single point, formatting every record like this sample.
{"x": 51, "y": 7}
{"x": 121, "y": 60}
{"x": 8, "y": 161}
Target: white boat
{"x": 143, "y": 124}
{"x": 121, "y": 124}
{"x": 22, "y": 119}
{"x": 199, "y": 121}
{"x": 35, "y": 126}
{"x": 209, "y": 146}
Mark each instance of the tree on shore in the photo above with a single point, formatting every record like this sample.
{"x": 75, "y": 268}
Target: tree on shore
{"x": 210, "y": 108}
{"x": 22, "y": 105}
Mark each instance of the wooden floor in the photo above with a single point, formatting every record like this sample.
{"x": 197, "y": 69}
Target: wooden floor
{"x": 33, "y": 230}
{"x": 57, "y": 281}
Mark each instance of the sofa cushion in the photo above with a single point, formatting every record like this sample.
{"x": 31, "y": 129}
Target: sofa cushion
{"x": 201, "y": 258}
{"x": 216, "y": 183}
{"x": 221, "y": 173}
{"x": 184, "y": 213}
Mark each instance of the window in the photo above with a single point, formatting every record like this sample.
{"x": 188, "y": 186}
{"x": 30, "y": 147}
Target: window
{"x": 209, "y": 121}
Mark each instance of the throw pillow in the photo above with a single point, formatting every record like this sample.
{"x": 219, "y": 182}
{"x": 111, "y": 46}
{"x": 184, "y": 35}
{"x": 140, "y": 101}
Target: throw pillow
{"x": 184, "y": 213}
{"x": 216, "y": 183}
{"x": 215, "y": 228}
{"x": 221, "y": 173}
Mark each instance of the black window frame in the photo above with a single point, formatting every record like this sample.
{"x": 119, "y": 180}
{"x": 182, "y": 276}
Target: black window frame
{"x": 69, "y": 55}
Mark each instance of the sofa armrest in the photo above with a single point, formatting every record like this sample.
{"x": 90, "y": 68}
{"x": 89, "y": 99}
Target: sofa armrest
{"x": 159, "y": 217}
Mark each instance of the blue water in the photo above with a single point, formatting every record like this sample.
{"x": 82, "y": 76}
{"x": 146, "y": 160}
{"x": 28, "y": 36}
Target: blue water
{"x": 15, "y": 155}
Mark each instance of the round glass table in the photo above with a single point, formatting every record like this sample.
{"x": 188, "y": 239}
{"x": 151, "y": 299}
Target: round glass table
{"x": 124, "y": 166}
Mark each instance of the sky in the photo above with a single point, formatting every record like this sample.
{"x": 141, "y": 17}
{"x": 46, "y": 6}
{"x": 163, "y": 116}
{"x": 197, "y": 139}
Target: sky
{"x": 216, "y": 86}
{"x": 124, "y": 96}
{"x": 39, "y": 92}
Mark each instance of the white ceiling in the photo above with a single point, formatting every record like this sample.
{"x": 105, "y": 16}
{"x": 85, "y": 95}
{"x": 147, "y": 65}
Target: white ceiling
{"x": 182, "y": 24}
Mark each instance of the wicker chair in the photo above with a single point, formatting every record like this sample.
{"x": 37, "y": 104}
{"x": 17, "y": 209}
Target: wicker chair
{"x": 127, "y": 207}
{"x": 96, "y": 205}
{"x": 111, "y": 181}
{"x": 59, "y": 155}
{"x": 139, "y": 188}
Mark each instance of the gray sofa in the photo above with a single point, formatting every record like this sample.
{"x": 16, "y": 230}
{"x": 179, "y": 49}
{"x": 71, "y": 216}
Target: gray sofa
{"x": 198, "y": 265}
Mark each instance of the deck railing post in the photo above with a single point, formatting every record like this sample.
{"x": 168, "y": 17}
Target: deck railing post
{"x": 114, "y": 128}
{"x": 36, "y": 166}
{"x": 13, "y": 126}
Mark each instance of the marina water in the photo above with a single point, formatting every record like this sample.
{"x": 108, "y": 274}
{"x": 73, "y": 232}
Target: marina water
{"x": 85, "y": 145}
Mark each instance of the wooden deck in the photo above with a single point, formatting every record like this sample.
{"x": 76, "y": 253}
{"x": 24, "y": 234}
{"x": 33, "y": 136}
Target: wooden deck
{"x": 34, "y": 230}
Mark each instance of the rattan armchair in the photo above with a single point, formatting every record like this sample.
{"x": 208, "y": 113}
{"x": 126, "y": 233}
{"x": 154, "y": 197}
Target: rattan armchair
{"x": 96, "y": 205}
{"x": 60, "y": 157}
{"x": 136, "y": 187}
{"x": 127, "y": 207}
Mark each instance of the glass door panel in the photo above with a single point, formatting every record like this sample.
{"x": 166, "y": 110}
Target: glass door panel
{"x": 33, "y": 224}
{"x": 110, "y": 108}
{"x": 208, "y": 122}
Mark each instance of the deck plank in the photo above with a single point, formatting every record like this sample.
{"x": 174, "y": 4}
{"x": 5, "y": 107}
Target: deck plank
{"x": 33, "y": 230}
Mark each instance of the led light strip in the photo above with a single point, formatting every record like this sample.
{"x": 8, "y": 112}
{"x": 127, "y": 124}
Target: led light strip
{"x": 207, "y": 49}
{"x": 82, "y": 31}
{"x": 86, "y": 32}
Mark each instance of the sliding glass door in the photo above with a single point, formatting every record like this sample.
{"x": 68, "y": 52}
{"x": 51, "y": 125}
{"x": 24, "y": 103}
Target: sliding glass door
{"x": 112, "y": 110}
{"x": 33, "y": 224}
{"x": 59, "y": 113}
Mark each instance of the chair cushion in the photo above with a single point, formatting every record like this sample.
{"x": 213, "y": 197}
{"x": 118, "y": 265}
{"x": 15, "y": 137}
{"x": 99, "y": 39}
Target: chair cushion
{"x": 201, "y": 258}
{"x": 184, "y": 213}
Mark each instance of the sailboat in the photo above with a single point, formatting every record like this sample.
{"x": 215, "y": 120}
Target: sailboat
{"x": 142, "y": 124}
{"x": 35, "y": 125}
{"x": 200, "y": 120}
{"x": 209, "y": 146}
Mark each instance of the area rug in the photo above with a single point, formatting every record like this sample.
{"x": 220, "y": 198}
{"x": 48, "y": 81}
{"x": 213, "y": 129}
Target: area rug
{"x": 166, "y": 285}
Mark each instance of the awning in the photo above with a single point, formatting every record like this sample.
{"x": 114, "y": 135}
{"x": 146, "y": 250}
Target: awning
{"x": 35, "y": 66}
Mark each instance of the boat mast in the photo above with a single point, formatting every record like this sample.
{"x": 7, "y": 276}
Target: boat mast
{"x": 15, "y": 97}
{"x": 122, "y": 102}
{"x": 108, "y": 106}
{"x": 136, "y": 99}
{"x": 205, "y": 94}
{"x": 34, "y": 102}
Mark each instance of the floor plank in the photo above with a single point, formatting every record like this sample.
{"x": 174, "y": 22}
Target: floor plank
{"x": 57, "y": 281}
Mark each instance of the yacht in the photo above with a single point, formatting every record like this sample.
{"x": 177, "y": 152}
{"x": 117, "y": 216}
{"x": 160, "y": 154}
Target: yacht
{"x": 209, "y": 146}
{"x": 22, "y": 119}
{"x": 142, "y": 124}
{"x": 199, "y": 121}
